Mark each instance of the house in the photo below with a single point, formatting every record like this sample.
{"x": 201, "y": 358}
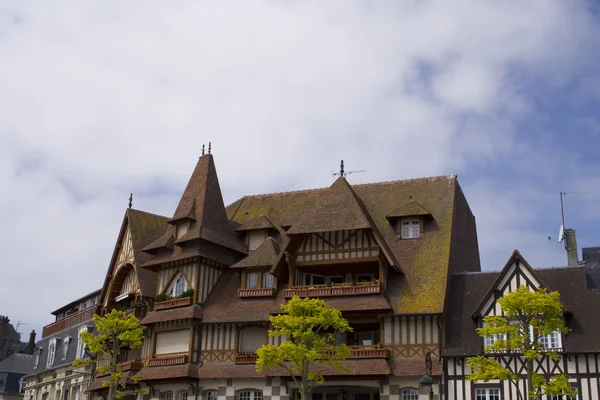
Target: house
{"x": 474, "y": 295}
{"x": 10, "y": 340}
{"x": 52, "y": 375}
{"x": 12, "y": 371}
{"x": 206, "y": 280}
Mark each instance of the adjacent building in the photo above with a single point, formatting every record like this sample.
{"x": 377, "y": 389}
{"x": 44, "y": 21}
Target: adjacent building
{"x": 13, "y": 370}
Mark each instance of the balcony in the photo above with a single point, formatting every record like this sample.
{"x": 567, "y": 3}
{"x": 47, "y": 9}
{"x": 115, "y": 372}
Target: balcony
{"x": 164, "y": 361}
{"x": 375, "y": 351}
{"x": 246, "y": 358}
{"x": 256, "y": 292}
{"x": 132, "y": 365}
{"x": 68, "y": 322}
{"x": 338, "y": 289}
{"x": 139, "y": 314}
{"x": 172, "y": 303}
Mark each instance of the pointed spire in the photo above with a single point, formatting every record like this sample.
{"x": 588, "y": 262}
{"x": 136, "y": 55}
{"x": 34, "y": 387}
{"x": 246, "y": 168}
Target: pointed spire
{"x": 130, "y": 200}
{"x": 203, "y": 149}
{"x": 342, "y": 169}
{"x": 209, "y": 144}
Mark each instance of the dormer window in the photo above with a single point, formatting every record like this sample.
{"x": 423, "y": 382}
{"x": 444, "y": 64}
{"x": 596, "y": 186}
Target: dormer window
{"x": 410, "y": 228}
{"x": 252, "y": 280}
{"x": 178, "y": 286}
{"x": 256, "y": 238}
{"x": 182, "y": 228}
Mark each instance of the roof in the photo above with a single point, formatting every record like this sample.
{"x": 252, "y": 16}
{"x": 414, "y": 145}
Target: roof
{"x": 426, "y": 262}
{"x": 191, "y": 312}
{"x": 260, "y": 222}
{"x": 410, "y": 209}
{"x": 202, "y": 202}
{"x": 75, "y": 302}
{"x": 17, "y": 363}
{"x": 97, "y": 383}
{"x": 264, "y": 256}
{"x": 168, "y": 372}
{"x": 468, "y": 290}
{"x": 414, "y": 366}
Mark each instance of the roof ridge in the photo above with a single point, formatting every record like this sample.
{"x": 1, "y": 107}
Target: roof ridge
{"x": 149, "y": 213}
{"x": 408, "y": 180}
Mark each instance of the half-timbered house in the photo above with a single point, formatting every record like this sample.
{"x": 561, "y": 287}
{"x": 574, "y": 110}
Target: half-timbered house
{"x": 382, "y": 253}
{"x": 474, "y": 296}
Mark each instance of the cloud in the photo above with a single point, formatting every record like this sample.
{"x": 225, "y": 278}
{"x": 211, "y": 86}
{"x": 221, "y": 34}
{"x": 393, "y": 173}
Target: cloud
{"x": 101, "y": 99}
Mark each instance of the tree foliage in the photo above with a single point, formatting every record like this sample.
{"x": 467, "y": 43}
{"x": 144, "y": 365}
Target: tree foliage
{"x": 527, "y": 316}
{"x": 309, "y": 327}
{"x": 115, "y": 332}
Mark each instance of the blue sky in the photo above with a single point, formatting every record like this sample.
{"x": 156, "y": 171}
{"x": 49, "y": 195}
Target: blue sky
{"x": 100, "y": 99}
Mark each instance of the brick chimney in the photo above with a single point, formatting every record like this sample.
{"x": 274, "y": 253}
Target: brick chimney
{"x": 3, "y": 325}
{"x": 31, "y": 343}
{"x": 571, "y": 248}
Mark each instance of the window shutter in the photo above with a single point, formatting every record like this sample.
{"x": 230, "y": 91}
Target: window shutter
{"x": 255, "y": 239}
{"x": 173, "y": 342}
{"x": 251, "y": 339}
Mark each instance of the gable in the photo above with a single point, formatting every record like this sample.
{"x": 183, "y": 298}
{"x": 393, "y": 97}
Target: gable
{"x": 337, "y": 245}
{"x": 126, "y": 249}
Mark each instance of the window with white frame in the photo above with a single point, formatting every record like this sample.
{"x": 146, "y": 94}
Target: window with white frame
{"x": 36, "y": 357}
{"x": 267, "y": 280}
{"x": 410, "y": 228}
{"x": 169, "y": 395}
{"x": 565, "y": 397}
{"x": 178, "y": 286}
{"x": 51, "y": 351}
{"x": 80, "y": 344}
{"x": 409, "y": 394}
{"x": 551, "y": 341}
{"x": 210, "y": 395}
{"x": 250, "y": 395}
{"x": 65, "y": 347}
{"x": 183, "y": 395}
{"x": 487, "y": 393}
{"x": 252, "y": 280}
{"x": 77, "y": 392}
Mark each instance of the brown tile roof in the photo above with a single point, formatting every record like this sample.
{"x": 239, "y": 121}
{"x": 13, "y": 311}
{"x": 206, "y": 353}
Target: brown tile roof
{"x": 468, "y": 290}
{"x": 96, "y": 385}
{"x": 414, "y": 366}
{"x": 410, "y": 209}
{"x": 260, "y": 222}
{"x": 336, "y": 209}
{"x": 190, "y": 312}
{"x": 357, "y": 367}
{"x": 202, "y": 202}
{"x": 168, "y": 372}
{"x": 264, "y": 256}
{"x": 223, "y": 305}
{"x": 426, "y": 262}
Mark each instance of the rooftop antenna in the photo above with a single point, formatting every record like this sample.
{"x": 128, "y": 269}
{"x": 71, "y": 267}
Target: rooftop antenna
{"x": 343, "y": 172}
{"x": 130, "y": 199}
{"x": 202, "y": 149}
{"x": 561, "y": 231}
{"x": 19, "y": 323}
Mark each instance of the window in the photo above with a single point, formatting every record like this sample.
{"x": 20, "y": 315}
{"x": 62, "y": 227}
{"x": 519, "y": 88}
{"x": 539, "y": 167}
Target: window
{"x": 36, "y": 357}
{"x": 210, "y": 395}
{"x": 251, "y": 339}
{"x": 51, "y": 352}
{"x": 22, "y": 385}
{"x": 267, "y": 280}
{"x": 169, "y": 395}
{"x": 80, "y": 344}
{"x": 487, "y": 394}
{"x": 173, "y": 342}
{"x": 567, "y": 397}
{"x": 313, "y": 279}
{"x": 410, "y": 228}
{"x": 183, "y": 396}
{"x": 255, "y": 239}
{"x": 77, "y": 393}
{"x": 250, "y": 395}
{"x": 251, "y": 280}
{"x": 65, "y": 347}
{"x": 178, "y": 286}
{"x": 409, "y": 394}
{"x": 551, "y": 341}
{"x": 365, "y": 278}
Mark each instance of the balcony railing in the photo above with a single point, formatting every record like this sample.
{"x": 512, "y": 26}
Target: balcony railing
{"x": 162, "y": 361}
{"x": 257, "y": 292}
{"x": 375, "y": 351}
{"x": 246, "y": 358}
{"x": 341, "y": 289}
{"x": 68, "y": 322}
{"x": 132, "y": 365}
{"x": 136, "y": 312}
{"x": 172, "y": 303}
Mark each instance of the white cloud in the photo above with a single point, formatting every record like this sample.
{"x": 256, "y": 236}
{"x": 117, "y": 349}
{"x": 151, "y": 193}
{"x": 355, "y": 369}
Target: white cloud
{"x": 100, "y": 99}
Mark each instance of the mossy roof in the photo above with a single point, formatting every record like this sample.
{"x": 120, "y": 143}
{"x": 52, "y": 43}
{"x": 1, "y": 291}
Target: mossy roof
{"x": 264, "y": 256}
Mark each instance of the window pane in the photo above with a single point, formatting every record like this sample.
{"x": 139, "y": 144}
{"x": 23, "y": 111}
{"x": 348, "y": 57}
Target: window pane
{"x": 415, "y": 229}
{"x": 169, "y": 395}
{"x": 211, "y": 395}
{"x": 251, "y": 280}
{"x": 267, "y": 280}
{"x": 410, "y": 394}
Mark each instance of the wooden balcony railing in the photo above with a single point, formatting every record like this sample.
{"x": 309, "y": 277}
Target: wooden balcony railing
{"x": 68, "y": 322}
{"x": 172, "y": 303}
{"x": 257, "y": 292}
{"x": 131, "y": 365}
{"x": 245, "y": 358}
{"x": 375, "y": 351}
{"x": 139, "y": 314}
{"x": 333, "y": 290}
{"x": 162, "y": 361}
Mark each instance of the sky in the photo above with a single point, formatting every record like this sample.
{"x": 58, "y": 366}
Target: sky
{"x": 103, "y": 98}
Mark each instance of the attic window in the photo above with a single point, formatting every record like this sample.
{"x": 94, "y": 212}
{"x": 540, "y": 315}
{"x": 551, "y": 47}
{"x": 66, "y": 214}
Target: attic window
{"x": 410, "y": 228}
{"x": 256, "y": 238}
{"x": 182, "y": 228}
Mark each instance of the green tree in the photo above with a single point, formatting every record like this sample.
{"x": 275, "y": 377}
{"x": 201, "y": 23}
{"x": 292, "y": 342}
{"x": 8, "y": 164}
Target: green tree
{"x": 115, "y": 332}
{"x": 309, "y": 326}
{"x": 528, "y": 316}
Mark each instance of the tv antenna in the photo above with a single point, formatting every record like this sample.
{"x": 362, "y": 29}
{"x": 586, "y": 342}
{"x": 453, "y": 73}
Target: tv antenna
{"x": 344, "y": 173}
{"x": 561, "y": 231}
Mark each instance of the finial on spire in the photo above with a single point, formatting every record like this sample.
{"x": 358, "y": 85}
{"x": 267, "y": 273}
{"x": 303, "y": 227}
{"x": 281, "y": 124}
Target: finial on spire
{"x": 202, "y": 149}
{"x": 342, "y": 168}
{"x": 209, "y": 147}
{"x": 130, "y": 200}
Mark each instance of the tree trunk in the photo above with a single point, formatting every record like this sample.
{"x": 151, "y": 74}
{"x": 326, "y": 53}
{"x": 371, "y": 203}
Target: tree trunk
{"x": 113, "y": 368}
{"x": 529, "y": 375}
{"x": 304, "y": 378}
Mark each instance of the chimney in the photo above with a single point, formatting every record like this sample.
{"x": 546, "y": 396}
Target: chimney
{"x": 571, "y": 248}
{"x": 31, "y": 344}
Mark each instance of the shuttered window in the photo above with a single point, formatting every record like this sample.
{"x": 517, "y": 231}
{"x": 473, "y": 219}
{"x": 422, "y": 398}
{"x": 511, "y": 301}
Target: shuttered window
{"x": 251, "y": 339}
{"x": 173, "y": 342}
{"x": 255, "y": 239}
